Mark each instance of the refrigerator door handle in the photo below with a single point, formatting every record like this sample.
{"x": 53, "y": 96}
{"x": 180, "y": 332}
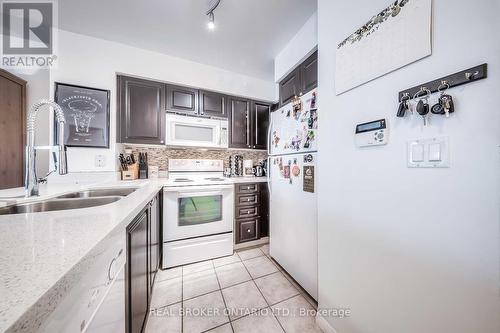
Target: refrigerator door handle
{"x": 269, "y": 172}
{"x": 269, "y": 138}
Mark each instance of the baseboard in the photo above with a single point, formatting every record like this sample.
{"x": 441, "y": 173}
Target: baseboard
{"x": 324, "y": 324}
{"x": 262, "y": 241}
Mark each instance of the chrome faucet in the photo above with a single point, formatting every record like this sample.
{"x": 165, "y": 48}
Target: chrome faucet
{"x": 58, "y": 151}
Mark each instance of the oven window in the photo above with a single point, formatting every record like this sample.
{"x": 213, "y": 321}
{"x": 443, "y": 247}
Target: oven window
{"x": 199, "y": 210}
{"x": 194, "y": 133}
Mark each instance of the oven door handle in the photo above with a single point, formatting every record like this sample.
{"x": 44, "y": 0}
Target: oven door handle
{"x": 199, "y": 194}
{"x": 198, "y": 189}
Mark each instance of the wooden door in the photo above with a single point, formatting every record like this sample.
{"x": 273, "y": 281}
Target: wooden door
{"x": 213, "y": 104}
{"x": 239, "y": 114}
{"x": 260, "y": 125}
{"x": 182, "y": 99}
{"x": 142, "y": 111}
{"x": 137, "y": 273}
{"x": 12, "y": 129}
{"x": 264, "y": 210}
{"x": 154, "y": 239}
{"x": 309, "y": 73}
{"x": 289, "y": 87}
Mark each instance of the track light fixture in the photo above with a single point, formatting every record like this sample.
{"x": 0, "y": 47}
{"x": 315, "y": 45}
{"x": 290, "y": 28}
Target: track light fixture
{"x": 212, "y": 4}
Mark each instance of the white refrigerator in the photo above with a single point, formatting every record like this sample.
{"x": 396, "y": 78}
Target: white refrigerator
{"x": 292, "y": 186}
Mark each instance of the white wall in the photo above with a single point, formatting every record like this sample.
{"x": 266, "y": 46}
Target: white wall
{"x": 411, "y": 250}
{"x": 94, "y": 62}
{"x": 298, "y": 48}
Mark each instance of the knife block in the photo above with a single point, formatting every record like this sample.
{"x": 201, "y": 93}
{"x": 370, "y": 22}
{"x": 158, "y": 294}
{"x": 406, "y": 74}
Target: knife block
{"x": 132, "y": 173}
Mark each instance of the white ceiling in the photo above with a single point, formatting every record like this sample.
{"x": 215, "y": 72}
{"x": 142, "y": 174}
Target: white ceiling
{"x": 248, "y": 35}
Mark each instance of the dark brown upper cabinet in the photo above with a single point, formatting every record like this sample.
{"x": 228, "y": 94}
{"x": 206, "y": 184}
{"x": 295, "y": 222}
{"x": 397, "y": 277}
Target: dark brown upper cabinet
{"x": 309, "y": 73}
{"x": 289, "y": 87}
{"x": 239, "y": 123}
{"x": 141, "y": 111}
{"x": 248, "y": 123}
{"x": 260, "y": 124}
{"x": 302, "y": 79}
{"x": 182, "y": 99}
{"x": 213, "y": 104}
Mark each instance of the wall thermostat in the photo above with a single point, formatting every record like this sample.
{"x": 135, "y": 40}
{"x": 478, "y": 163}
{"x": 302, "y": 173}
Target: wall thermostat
{"x": 373, "y": 133}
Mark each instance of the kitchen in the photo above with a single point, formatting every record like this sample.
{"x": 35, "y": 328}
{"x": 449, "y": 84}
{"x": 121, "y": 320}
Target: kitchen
{"x": 193, "y": 172}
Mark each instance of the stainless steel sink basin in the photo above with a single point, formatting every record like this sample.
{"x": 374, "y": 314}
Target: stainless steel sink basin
{"x": 57, "y": 204}
{"x": 101, "y": 192}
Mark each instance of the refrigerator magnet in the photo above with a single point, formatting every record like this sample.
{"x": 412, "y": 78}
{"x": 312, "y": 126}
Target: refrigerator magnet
{"x": 313, "y": 101}
{"x": 295, "y": 170}
{"x": 313, "y": 119}
{"x": 286, "y": 172}
{"x": 308, "y": 183}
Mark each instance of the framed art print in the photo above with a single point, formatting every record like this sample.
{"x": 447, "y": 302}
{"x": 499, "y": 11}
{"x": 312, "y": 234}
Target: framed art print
{"x": 87, "y": 115}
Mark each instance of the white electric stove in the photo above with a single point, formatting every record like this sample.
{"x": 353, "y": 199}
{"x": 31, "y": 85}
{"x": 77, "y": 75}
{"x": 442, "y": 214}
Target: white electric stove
{"x": 198, "y": 212}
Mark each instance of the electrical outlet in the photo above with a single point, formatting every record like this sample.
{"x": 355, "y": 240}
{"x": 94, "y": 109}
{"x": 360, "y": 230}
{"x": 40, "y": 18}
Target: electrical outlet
{"x": 100, "y": 161}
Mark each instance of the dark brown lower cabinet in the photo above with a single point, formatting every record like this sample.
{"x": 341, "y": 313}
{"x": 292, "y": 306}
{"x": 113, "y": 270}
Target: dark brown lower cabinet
{"x": 143, "y": 258}
{"x": 137, "y": 272}
{"x": 264, "y": 210}
{"x": 251, "y": 211}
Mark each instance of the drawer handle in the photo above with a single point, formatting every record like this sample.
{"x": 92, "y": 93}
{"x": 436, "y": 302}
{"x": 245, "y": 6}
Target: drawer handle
{"x": 248, "y": 199}
{"x": 248, "y": 187}
{"x": 248, "y": 212}
{"x": 249, "y": 230}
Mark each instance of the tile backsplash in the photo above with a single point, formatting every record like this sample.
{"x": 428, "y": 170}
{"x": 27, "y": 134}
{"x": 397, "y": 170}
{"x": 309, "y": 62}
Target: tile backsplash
{"x": 159, "y": 155}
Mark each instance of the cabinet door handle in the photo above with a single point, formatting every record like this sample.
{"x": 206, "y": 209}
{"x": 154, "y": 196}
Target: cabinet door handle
{"x": 248, "y": 128}
{"x": 249, "y": 231}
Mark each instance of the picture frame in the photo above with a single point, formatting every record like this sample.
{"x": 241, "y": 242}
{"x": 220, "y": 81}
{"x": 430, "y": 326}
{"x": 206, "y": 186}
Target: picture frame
{"x": 87, "y": 113}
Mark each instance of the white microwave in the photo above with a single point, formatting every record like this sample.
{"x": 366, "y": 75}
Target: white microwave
{"x": 187, "y": 131}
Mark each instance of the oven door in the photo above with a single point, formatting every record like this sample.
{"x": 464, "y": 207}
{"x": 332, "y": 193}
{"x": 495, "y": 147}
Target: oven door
{"x": 194, "y": 132}
{"x": 194, "y": 211}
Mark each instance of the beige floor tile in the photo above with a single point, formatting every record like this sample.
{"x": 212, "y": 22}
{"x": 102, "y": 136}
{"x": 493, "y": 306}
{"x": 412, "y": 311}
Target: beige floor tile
{"x": 226, "y": 260}
{"x": 197, "y": 267}
{"x": 249, "y": 254}
{"x": 260, "y": 266}
{"x": 232, "y": 274}
{"x": 265, "y": 248}
{"x": 165, "y": 320}
{"x": 243, "y": 299}
{"x": 204, "y": 312}
{"x": 262, "y": 321}
{"x": 166, "y": 292}
{"x": 296, "y": 315}
{"x": 167, "y": 274}
{"x": 199, "y": 283}
{"x": 226, "y": 328}
{"x": 275, "y": 288}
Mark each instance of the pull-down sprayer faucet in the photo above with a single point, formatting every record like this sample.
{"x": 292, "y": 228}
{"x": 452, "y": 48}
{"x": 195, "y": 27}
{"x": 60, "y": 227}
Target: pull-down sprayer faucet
{"x": 58, "y": 151}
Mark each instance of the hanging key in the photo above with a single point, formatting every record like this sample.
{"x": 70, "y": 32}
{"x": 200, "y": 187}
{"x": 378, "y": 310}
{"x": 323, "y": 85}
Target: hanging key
{"x": 447, "y": 102}
{"x": 422, "y": 109}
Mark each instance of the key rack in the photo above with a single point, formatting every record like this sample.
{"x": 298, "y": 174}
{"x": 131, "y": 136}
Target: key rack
{"x": 457, "y": 79}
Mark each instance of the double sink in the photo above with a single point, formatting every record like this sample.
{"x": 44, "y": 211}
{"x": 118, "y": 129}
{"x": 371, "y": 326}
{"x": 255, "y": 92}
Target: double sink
{"x": 74, "y": 200}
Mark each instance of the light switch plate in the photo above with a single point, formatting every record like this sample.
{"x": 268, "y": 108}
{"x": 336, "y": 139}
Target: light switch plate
{"x": 428, "y": 153}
